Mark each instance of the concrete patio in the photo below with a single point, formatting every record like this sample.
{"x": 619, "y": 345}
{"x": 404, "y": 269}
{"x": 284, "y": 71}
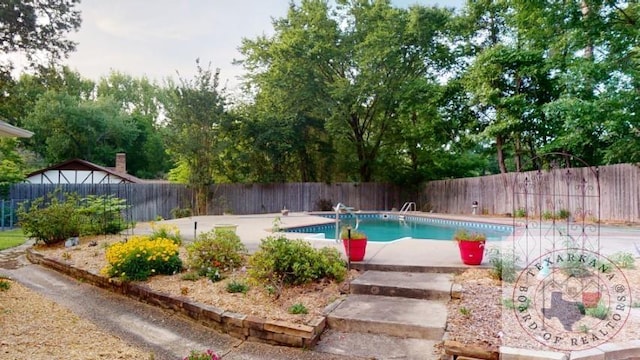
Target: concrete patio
{"x": 409, "y": 254}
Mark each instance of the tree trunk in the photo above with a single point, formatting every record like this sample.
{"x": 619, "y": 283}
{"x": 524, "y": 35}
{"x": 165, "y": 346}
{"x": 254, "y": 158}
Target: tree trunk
{"x": 500, "y": 154}
{"x": 518, "y": 155}
{"x": 588, "y": 50}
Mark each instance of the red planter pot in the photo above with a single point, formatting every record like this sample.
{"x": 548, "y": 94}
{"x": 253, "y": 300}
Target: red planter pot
{"x": 355, "y": 248}
{"x": 471, "y": 252}
{"x": 590, "y": 299}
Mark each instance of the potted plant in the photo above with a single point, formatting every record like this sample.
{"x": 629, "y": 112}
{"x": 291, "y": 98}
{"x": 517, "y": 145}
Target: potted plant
{"x": 590, "y": 299}
{"x": 355, "y": 243}
{"x": 471, "y": 245}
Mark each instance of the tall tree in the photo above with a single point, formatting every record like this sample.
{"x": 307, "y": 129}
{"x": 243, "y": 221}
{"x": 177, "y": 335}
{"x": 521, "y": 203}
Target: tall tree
{"x": 348, "y": 66}
{"x": 141, "y": 99}
{"x": 37, "y": 28}
{"x": 66, "y": 127}
{"x": 195, "y": 111}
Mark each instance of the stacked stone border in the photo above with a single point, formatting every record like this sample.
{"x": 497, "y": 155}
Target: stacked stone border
{"x": 244, "y": 327}
{"x": 610, "y": 351}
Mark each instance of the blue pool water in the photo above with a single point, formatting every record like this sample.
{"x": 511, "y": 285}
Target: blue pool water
{"x": 384, "y": 228}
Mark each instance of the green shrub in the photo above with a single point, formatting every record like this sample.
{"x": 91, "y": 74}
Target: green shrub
{"x": 297, "y": 309}
{"x": 166, "y": 231}
{"x": 237, "y": 287}
{"x": 141, "y": 257}
{"x": 213, "y": 274}
{"x": 190, "y": 276}
{"x": 520, "y": 305}
{"x": 66, "y": 215}
{"x": 503, "y": 266}
{"x": 521, "y": 212}
{"x": 623, "y": 260}
{"x": 547, "y": 215}
{"x": 280, "y": 260}
{"x": 220, "y": 249}
{"x": 563, "y": 214}
{"x": 4, "y": 285}
{"x": 178, "y": 212}
{"x": 600, "y": 312}
{"x": 102, "y": 215}
{"x": 580, "y": 264}
{"x": 51, "y": 222}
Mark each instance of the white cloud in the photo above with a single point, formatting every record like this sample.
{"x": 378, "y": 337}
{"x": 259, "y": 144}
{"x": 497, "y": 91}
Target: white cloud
{"x": 157, "y": 38}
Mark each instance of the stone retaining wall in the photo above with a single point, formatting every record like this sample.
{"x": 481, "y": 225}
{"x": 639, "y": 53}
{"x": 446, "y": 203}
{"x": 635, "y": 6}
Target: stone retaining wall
{"x": 611, "y": 351}
{"x": 237, "y": 325}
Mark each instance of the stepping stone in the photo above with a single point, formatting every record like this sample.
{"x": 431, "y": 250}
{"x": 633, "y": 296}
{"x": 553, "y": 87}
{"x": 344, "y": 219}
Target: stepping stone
{"x": 432, "y": 286}
{"x": 386, "y": 347}
{"x": 401, "y": 317}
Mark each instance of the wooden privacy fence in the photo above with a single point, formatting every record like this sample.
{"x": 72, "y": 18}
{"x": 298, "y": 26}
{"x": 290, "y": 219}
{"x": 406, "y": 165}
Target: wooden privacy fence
{"x": 619, "y": 195}
{"x": 146, "y": 201}
{"x": 270, "y": 198}
{"x": 619, "y": 190}
{"x": 150, "y": 201}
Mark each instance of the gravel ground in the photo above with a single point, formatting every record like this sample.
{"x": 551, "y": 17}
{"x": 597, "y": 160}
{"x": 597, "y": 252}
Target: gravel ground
{"x": 33, "y": 327}
{"x": 257, "y": 301}
{"x": 473, "y": 319}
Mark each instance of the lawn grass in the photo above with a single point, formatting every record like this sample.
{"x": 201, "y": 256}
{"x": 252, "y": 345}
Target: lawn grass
{"x": 11, "y": 238}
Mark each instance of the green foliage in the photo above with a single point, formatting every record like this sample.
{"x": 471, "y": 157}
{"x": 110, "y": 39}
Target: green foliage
{"x": 581, "y": 308}
{"x": 212, "y": 273}
{"x": 547, "y": 215}
{"x": 166, "y": 231}
{"x": 178, "y": 212}
{"x": 190, "y": 276}
{"x": 202, "y": 355}
{"x": 141, "y": 257}
{"x": 347, "y": 232}
{"x": 4, "y": 285}
{"x": 503, "y": 266}
{"x": 623, "y": 260}
{"x": 195, "y": 117}
{"x": 467, "y": 235}
{"x": 298, "y": 308}
{"x": 66, "y": 215}
{"x": 521, "y": 212}
{"x": 12, "y": 167}
{"x": 51, "y": 222}
{"x": 221, "y": 250}
{"x": 11, "y": 238}
{"x": 584, "y": 329}
{"x": 235, "y": 286}
{"x": 102, "y": 215}
{"x": 66, "y": 126}
{"x": 324, "y": 205}
{"x": 521, "y": 304}
{"x": 466, "y": 312}
{"x": 283, "y": 261}
{"x": 579, "y": 264}
{"x": 563, "y": 214}
{"x": 600, "y": 312}
{"x": 25, "y": 33}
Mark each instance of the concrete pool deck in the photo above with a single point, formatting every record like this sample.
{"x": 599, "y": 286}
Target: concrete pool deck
{"x": 410, "y": 254}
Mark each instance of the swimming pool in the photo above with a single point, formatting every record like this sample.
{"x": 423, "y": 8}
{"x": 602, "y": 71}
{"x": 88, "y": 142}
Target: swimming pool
{"x": 389, "y": 227}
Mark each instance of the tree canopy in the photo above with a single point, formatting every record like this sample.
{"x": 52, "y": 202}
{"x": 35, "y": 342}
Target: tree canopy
{"x": 351, "y": 90}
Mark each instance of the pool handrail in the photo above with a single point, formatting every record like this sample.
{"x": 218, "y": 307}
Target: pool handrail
{"x": 339, "y": 207}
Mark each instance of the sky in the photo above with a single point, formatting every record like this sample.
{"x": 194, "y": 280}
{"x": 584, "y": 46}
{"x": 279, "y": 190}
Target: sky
{"x": 161, "y": 38}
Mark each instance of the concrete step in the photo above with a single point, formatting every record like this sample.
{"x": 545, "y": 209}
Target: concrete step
{"x": 404, "y": 284}
{"x": 374, "y": 346}
{"x": 401, "y": 317}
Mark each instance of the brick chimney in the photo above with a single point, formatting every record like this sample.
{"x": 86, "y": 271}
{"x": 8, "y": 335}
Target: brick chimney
{"x": 121, "y": 163}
